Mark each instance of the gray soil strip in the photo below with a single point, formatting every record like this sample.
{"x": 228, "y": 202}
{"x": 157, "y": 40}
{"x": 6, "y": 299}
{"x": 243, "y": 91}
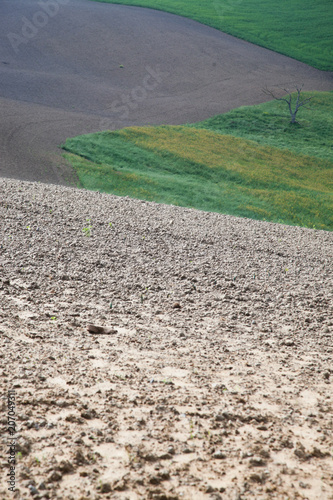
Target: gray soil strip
{"x": 81, "y": 66}
{"x": 213, "y": 377}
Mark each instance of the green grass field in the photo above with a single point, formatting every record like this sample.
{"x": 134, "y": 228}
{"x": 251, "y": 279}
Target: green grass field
{"x": 249, "y": 162}
{"x": 301, "y": 29}
{"x": 268, "y": 124}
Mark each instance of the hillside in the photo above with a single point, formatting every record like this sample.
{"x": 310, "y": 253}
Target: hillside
{"x": 249, "y": 162}
{"x": 300, "y": 29}
{"x": 215, "y": 379}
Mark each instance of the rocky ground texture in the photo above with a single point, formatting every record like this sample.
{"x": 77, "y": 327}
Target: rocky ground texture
{"x": 214, "y": 377}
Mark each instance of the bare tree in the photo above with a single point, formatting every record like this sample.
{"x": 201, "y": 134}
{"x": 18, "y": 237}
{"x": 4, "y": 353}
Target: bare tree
{"x": 288, "y": 97}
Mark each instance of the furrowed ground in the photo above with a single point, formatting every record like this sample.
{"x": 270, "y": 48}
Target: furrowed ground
{"x": 215, "y": 381}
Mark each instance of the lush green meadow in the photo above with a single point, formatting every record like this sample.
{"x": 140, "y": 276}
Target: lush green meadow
{"x": 268, "y": 124}
{"x": 214, "y": 166}
{"x": 301, "y": 29}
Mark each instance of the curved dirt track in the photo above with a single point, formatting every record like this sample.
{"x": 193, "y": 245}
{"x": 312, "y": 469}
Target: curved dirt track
{"x": 83, "y": 66}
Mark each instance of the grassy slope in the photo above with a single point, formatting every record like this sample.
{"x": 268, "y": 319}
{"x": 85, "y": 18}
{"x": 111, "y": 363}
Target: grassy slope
{"x": 301, "y": 29}
{"x": 267, "y": 124}
{"x": 199, "y": 166}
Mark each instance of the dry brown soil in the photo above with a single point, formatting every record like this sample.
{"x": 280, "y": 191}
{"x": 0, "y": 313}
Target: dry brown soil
{"x": 215, "y": 379}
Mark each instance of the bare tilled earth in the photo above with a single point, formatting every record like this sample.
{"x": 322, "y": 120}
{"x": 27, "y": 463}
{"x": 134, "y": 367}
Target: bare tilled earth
{"x": 213, "y": 376}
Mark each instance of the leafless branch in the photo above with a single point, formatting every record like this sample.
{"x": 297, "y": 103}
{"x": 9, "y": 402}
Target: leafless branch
{"x": 288, "y": 98}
